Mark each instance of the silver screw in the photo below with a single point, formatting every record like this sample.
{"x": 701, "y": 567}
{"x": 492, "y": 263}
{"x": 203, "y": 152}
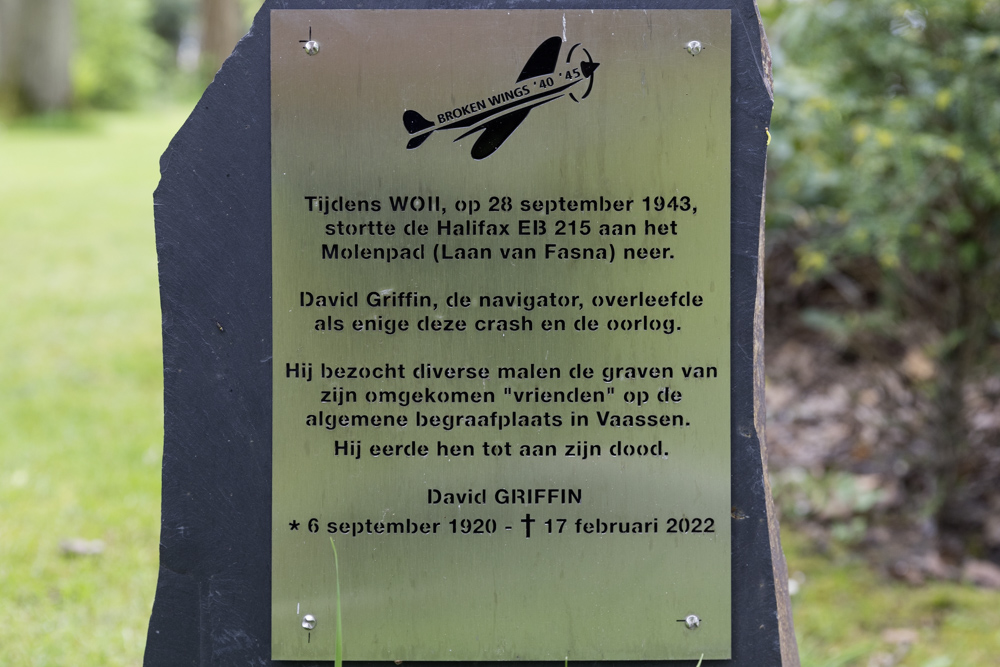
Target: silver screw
{"x": 692, "y": 622}
{"x": 311, "y": 47}
{"x": 693, "y": 47}
{"x": 308, "y": 621}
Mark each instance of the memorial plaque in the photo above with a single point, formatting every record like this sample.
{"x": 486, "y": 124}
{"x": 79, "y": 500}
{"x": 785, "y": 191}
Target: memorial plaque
{"x": 501, "y": 334}
{"x": 475, "y": 296}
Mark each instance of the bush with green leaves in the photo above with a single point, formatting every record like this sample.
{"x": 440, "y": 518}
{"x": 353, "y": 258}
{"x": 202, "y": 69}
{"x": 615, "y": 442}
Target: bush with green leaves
{"x": 886, "y": 181}
{"x": 119, "y": 58}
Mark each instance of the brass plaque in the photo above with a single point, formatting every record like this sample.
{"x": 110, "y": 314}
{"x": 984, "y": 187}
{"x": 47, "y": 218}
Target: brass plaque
{"x": 501, "y": 300}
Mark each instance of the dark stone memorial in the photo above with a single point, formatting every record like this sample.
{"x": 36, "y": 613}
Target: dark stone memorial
{"x": 462, "y": 329}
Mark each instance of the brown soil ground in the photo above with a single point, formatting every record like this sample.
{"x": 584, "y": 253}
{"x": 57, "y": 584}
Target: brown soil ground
{"x": 849, "y": 437}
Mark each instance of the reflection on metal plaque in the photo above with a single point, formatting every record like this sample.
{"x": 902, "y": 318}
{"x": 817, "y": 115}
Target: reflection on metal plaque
{"x": 501, "y": 334}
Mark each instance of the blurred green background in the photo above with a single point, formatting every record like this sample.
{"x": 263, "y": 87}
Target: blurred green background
{"x": 883, "y": 319}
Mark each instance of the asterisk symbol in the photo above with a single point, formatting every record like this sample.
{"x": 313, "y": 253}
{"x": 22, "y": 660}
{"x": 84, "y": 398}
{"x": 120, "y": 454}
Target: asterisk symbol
{"x": 294, "y": 524}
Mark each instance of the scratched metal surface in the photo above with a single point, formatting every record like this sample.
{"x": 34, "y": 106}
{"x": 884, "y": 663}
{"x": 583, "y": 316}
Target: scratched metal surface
{"x": 655, "y": 121}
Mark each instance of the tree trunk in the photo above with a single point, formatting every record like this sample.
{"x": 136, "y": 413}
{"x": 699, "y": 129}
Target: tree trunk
{"x": 222, "y": 27}
{"x": 36, "y": 43}
{"x": 10, "y": 50}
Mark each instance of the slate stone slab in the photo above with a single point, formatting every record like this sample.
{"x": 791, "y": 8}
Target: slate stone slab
{"x": 212, "y": 212}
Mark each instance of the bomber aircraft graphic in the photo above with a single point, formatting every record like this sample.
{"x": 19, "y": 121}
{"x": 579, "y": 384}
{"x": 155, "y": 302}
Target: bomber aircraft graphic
{"x": 509, "y": 109}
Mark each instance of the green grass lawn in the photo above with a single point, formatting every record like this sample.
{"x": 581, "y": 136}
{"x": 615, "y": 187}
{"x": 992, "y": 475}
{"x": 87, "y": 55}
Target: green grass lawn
{"x": 81, "y": 428}
{"x": 81, "y": 424}
{"x": 845, "y": 614}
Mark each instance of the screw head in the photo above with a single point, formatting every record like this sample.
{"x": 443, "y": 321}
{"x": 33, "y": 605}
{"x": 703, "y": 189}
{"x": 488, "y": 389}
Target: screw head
{"x": 693, "y": 47}
{"x": 308, "y": 621}
{"x": 311, "y": 47}
{"x": 692, "y": 622}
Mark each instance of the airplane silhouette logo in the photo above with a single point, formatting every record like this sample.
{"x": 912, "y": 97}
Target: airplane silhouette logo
{"x": 499, "y": 115}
